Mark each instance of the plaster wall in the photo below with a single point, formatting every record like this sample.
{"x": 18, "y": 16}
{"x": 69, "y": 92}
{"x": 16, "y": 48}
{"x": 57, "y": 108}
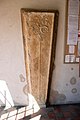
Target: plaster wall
{"x": 12, "y": 66}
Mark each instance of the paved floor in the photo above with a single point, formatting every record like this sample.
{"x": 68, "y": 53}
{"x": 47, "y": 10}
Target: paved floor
{"x": 64, "y": 112}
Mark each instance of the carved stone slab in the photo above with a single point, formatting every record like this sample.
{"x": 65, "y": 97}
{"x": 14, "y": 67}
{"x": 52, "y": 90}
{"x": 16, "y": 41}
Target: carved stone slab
{"x": 38, "y": 36}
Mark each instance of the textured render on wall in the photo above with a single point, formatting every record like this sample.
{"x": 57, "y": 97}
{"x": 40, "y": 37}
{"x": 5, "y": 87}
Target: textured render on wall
{"x": 56, "y": 97}
{"x": 12, "y": 67}
{"x": 12, "y": 61}
{"x": 66, "y": 79}
{"x": 69, "y": 89}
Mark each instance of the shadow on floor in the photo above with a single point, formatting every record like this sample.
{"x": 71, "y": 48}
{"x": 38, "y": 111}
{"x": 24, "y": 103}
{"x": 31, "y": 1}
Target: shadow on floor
{"x": 62, "y": 112}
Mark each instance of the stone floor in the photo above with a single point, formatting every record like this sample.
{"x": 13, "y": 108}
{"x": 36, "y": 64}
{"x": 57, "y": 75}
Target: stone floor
{"x": 62, "y": 112}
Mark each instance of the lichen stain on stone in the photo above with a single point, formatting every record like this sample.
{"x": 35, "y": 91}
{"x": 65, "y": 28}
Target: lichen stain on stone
{"x": 55, "y": 97}
{"x": 74, "y": 90}
{"x": 73, "y": 81}
{"x": 22, "y": 78}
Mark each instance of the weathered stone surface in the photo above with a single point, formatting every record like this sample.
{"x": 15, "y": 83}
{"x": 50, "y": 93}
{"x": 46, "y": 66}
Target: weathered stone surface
{"x": 38, "y": 36}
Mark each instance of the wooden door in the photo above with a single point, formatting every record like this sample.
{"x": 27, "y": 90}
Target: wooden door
{"x": 38, "y": 28}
